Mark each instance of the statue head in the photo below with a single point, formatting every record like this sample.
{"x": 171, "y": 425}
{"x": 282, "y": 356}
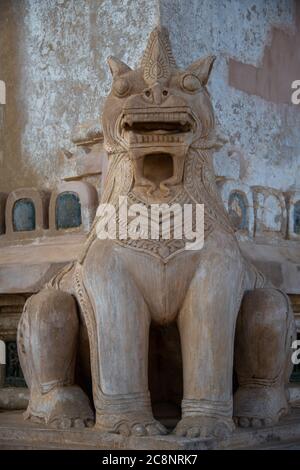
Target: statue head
{"x": 156, "y": 112}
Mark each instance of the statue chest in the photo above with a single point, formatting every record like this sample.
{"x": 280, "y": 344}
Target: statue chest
{"x": 162, "y": 230}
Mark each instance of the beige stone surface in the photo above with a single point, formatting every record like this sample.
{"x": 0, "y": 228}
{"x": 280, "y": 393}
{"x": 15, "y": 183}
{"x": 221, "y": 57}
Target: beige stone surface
{"x": 17, "y": 434}
{"x": 278, "y": 261}
{"x": 25, "y": 267}
{"x": 13, "y": 398}
{"x": 11, "y": 307}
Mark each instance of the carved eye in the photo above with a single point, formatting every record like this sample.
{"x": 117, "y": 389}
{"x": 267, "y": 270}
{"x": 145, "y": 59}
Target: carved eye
{"x": 190, "y": 83}
{"x": 121, "y": 87}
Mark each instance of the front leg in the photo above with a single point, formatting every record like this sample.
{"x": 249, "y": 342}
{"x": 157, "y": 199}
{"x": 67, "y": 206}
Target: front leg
{"x": 47, "y": 345}
{"x": 265, "y": 331}
{"x": 207, "y": 324}
{"x": 122, "y": 323}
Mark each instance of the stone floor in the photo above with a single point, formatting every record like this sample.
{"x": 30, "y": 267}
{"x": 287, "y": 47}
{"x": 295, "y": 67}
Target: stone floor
{"x": 15, "y": 433}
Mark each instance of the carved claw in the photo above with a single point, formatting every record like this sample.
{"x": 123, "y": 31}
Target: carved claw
{"x": 204, "y": 427}
{"x": 67, "y": 423}
{"x": 138, "y": 425}
{"x": 62, "y": 408}
{"x": 256, "y": 407}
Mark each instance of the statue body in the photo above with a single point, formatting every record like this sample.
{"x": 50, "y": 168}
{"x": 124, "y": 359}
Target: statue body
{"x": 158, "y": 125}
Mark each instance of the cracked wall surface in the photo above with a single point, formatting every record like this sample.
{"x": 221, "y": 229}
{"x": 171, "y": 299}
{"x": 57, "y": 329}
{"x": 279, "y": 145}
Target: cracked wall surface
{"x": 53, "y": 61}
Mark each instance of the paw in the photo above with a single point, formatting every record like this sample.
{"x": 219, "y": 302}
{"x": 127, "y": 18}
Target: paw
{"x": 61, "y": 408}
{"x": 248, "y": 422}
{"x": 256, "y": 407}
{"x": 204, "y": 427}
{"x": 141, "y": 429}
{"x": 65, "y": 422}
{"x": 133, "y": 424}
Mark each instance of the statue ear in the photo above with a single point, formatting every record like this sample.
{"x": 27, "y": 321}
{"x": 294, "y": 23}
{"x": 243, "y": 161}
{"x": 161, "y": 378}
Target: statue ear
{"x": 202, "y": 68}
{"x": 117, "y": 67}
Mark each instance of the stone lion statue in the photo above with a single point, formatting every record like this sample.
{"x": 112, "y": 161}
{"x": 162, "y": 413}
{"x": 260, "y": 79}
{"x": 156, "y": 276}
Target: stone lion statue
{"x": 159, "y": 132}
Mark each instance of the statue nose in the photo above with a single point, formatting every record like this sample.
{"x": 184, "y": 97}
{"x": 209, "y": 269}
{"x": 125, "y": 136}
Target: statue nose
{"x": 156, "y": 94}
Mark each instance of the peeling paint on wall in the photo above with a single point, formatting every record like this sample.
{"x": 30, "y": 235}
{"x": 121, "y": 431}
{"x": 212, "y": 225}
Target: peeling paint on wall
{"x": 279, "y": 67}
{"x": 264, "y": 146}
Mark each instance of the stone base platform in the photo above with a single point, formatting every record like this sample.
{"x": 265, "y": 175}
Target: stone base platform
{"x": 15, "y": 433}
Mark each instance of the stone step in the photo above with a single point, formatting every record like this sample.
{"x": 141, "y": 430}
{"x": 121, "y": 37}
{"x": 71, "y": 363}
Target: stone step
{"x": 15, "y": 433}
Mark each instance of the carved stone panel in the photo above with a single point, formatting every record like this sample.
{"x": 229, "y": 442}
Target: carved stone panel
{"x": 68, "y": 211}
{"x": 11, "y": 307}
{"x": 294, "y": 215}
{"x": 270, "y": 212}
{"x": 26, "y": 213}
{"x": 296, "y": 218}
{"x": 13, "y": 375}
{"x": 237, "y": 198}
{"x": 72, "y": 207}
{"x": 23, "y": 216}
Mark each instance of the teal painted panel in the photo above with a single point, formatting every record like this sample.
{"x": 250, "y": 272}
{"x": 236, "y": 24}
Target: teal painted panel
{"x": 68, "y": 211}
{"x": 23, "y": 215}
{"x": 297, "y": 218}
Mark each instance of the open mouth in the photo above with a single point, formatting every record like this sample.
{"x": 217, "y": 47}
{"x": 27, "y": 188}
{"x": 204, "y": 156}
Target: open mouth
{"x": 156, "y": 127}
{"x": 157, "y": 141}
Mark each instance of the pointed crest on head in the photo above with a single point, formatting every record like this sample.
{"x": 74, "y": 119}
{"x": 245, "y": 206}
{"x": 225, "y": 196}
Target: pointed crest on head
{"x": 158, "y": 60}
{"x": 117, "y": 67}
{"x": 202, "y": 68}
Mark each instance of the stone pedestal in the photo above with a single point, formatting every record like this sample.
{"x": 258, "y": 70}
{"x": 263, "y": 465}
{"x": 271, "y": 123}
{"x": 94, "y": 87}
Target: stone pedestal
{"x": 15, "y": 433}
{"x": 13, "y": 396}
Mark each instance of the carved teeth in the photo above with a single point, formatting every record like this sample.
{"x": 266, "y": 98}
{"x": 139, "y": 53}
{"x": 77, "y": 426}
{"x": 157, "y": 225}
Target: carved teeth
{"x": 160, "y": 136}
{"x": 154, "y": 138}
{"x": 182, "y": 118}
{"x": 128, "y": 120}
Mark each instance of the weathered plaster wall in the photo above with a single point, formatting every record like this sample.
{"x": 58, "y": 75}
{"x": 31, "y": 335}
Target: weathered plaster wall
{"x": 12, "y": 163}
{"x": 53, "y": 60}
{"x": 2, "y": 108}
{"x": 264, "y": 146}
